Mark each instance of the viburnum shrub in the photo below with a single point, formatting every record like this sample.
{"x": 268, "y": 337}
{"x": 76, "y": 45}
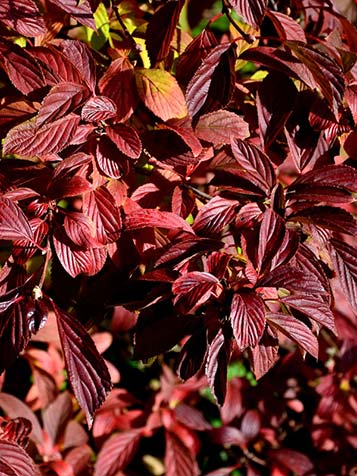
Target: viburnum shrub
{"x": 184, "y": 170}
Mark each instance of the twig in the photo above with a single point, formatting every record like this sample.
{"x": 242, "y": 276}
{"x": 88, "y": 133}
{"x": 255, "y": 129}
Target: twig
{"x": 197, "y": 192}
{"x": 126, "y": 32}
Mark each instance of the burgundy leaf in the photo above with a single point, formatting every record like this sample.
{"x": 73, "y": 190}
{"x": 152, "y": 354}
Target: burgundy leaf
{"x": 217, "y": 359}
{"x": 23, "y": 70}
{"x": 271, "y": 235}
{"x": 8, "y": 299}
{"x": 183, "y": 128}
{"x": 194, "y": 289}
{"x": 183, "y": 202}
{"x": 98, "y": 108}
{"x": 332, "y": 218}
{"x": 99, "y": 205}
{"x": 14, "y": 224}
{"x": 287, "y": 27}
{"x": 191, "y": 417}
{"x": 126, "y": 139}
{"x": 344, "y": 258}
{"x": 293, "y": 279}
{"x": 14, "y": 461}
{"x": 220, "y": 127}
{"x": 312, "y": 306}
{"x": 81, "y": 11}
{"x": 22, "y": 16}
{"x": 251, "y": 12}
{"x": 293, "y": 461}
{"x": 87, "y": 372}
{"x": 28, "y": 140}
{"x": 80, "y": 56}
{"x": 215, "y": 215}
{"x": 80, "y": 229}
{"x": 199, "y": 88}
{"x": 179, "y": 460}
{"x": 17, "y": 430}
{"x": 56, "y": 415}
{"x": 247, "y": 319}
{"x": 224, "y": 471}
{"x": 76, "y": 261}
{"x": 158, "y": 39}
{"x": 250, "y": 425}
{"x": 254, "y": 162}
{"x": 143, "y": 218}
{"x": 192, "y": 355}
{"x": 117, "y": 452}
{"x": 118, "y": 83}
{"x": 62, "y": 99}
{"x": 111, "y": 162}
{"x": 306, "y": 260}
{"x": 297, "y": 331}
{"x": 263, "y": 356}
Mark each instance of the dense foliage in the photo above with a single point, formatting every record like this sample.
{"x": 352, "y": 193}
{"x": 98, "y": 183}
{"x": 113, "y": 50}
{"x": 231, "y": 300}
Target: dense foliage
{"x": 177, "y": 186}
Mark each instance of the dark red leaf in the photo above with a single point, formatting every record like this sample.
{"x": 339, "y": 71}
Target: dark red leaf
{"x": 158, "y": 39}
{"x": 293, "y": 279}
{"x": 24, "y": 71}
{"x": 217, "y": 359}
{"x": 118, "y": 83}
{"x": 220, "y": 127}
{"x": 22, "y": 16}
{"x": 251, "y": 12}
{"x": 194, "y": 289}
{"x": 191, "y": 417}
{"x": 215, "y": 215}
{"x": 56, "y": 415}
{"x": 80, "y": 229}
{"x": 312, "y": 306}
{"x": 192, "y": 355}
{"x": 98, "y": 108}
{"x": 183, "y": 128}
{"x": 287, "y": 27}
{"x": 247, "y": 319}
{"x": 179, "y": 460}
{"x": 14, "y": 461}
{"x": 17, "y": 431}
{"x": 14, "y": 224}
{"x": 293, "y": 461}
{"x": 332, "y": 218}
{"x": 198, "y": 88}
{"x": 263, "y": 356}
{"x": 87, "y": 372}
{"x": 29, "y": 140}
{"x": 80, "y": 56}
{"x": 344, "y": 258}
{"x": 297, "y": 331}
{"x": 250, "y": 425}
{"x": 81, "y": 11}
{"x": 117, "y": 452}
{"x": 99, "y": 205}
{"x": 255, "y": 163}
{"x": 126, "y": 139}
{"x": 271, "y": 235}
{"x": 111, "y": 162}
{"x": 62, "y": 99}
{"x": 143, "y": 218}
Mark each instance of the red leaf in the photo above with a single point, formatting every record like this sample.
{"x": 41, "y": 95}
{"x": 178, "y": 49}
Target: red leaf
{"x": 160, "y": 93}
{"x": 14, "y": 461}
{"x": 293, "y": 461}
{"x": 56, "y": 415}
{"x": 247, "y": 319}
{"x": 220, "y": 127}
{"x": 23, "y": 70}
{"x": 271, "y": 235}
{"x": 297, "y": 331}
{"x": 332, "y": 218}
{"x": 191, "y": 417}
{"x": 215, "y": 215}
{"x": 344, "y": 258}
{"x": 293, "y": 279}
{"x": 111, "y": 162}
{"x": 81, "y": 11}
{"x": 76, "y": 261}
{"x": 265, "y": 354}
{"x": 198, "y": 88}
{"x": 99, "y": 205}
{"x": 80, "y": 56}
{"x": 22, "y": 16}
{"x": 179, "y": 460}
{"x": 250, "y": 425}
{"x": 28, "y": 140}
{"x": 182, "y": 127}
{"x": 118, "y": 83}
{"x": 143, "y": 218}
{"x": 287, "y": 27}
{"x": 251, "y": 12}
{"x": 194, "y": 289}
{"x": 98, "y": 108}
{"x": 14, "y": 224}
{"x": 87, "y": 372}
{"x": 312, "y": 306}
{"x": 158, "y": 39}
{"x": 126, "y": 139}
{"x": 62, "y": 99}
{"x": 255, "y": 163}
{"x": 117, "y": 452}
{"x": 80, "y": 229}
{"x": 217, "y": 359}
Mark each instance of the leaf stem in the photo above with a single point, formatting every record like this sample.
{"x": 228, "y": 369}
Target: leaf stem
{"x": 246, "y": 36}
{"x": 197, "y": 192}
{"x": 126, "y": 32}
{"x": 45, "y": 266}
